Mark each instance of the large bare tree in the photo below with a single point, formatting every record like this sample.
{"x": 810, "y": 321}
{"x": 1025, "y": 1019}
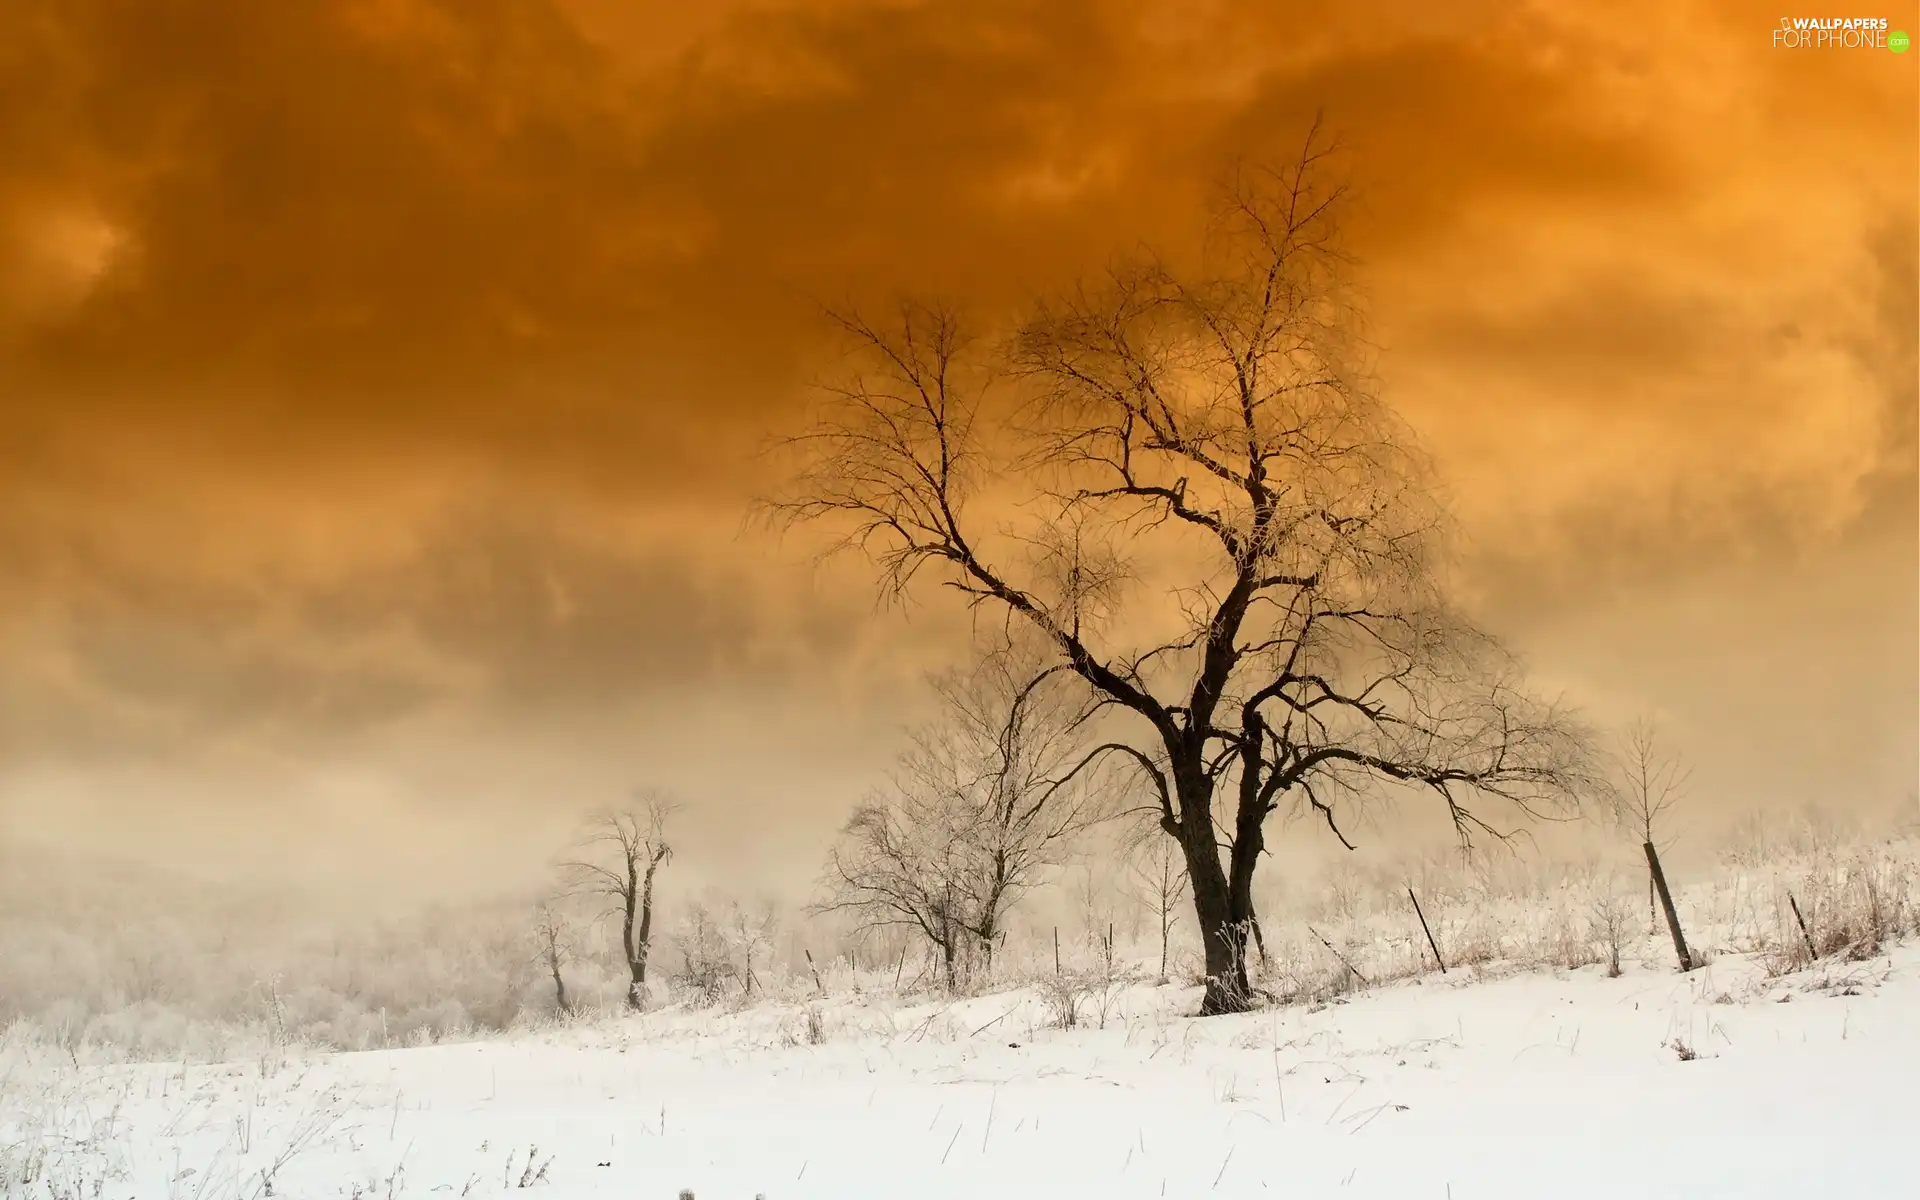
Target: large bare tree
{"x": 1195, "y": 499}
{"x": 987, "y": 799}
{"x": 620, "y": 853}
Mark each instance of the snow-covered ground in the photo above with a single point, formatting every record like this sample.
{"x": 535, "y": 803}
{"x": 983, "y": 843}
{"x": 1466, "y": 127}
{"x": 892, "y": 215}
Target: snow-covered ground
{"x": 1472, "y": 1086}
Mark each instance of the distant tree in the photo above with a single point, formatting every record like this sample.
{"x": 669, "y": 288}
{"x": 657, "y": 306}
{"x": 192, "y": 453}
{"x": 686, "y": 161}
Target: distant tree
{"x": 1197, "y": 504}
{"x": 1651, "y": 780}
{"x": 620, "y": 853}
{"x": 985, "y": 802}
{"x": 720, "y": 940}
{"x": 1157, "y": 875}
{"x": 554, "y": 943}
{"x": 752, "y": 930}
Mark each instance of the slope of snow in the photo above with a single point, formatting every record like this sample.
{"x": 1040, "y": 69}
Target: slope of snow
{"x": 1721, "y": 1083}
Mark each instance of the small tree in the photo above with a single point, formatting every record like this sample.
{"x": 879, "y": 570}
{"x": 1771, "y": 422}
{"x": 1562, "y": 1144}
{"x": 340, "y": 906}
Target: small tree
{"x": 1653, "y": 780}
{"x": 720, "y": 940}
{"x": 621, "y": 853}
{"x": 1157, "y": 875}
{"x": 982, "y": 805}
{"x": 555, "y": 945}
{"x": 753, "y": 929}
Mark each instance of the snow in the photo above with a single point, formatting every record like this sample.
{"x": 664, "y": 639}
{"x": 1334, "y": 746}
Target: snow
{"x": 1471, "y": 1085}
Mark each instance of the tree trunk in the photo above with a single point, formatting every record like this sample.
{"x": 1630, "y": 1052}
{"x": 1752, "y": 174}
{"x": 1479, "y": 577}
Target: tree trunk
{"x": 636, "y": 968}
{"x": 559, "y": 987}
{"x": 1222, "y": 935}
{"x": 1221, "y": 945}
{"x": 640, "y": 940}
{"x": 1248, "y": 842}
{"x": 1225, "y": 952}
{"x": 636, "y": 975}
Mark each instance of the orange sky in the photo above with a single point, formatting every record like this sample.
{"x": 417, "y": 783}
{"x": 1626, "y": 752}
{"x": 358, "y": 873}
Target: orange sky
{"x": 379, "y": 380}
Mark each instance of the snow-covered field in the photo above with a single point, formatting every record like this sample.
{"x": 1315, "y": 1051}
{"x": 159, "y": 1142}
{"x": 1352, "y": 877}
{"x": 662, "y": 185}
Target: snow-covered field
{"x": 1472, "y": 1085}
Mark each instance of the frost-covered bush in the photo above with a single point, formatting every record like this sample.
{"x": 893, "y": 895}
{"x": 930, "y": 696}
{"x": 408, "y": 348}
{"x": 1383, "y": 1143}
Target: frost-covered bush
{"x": 101, "y": 976}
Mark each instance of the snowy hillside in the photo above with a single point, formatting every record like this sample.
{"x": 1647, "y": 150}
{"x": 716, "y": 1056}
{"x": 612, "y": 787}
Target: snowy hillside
{"x": 1721, "y": 1083}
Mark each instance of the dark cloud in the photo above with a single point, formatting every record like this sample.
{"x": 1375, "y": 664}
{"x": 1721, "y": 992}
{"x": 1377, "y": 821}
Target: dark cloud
{"x": 371, "y": 362}
{"x": 550, "y": 620}
{"x": 504, "y": 613}
{"x": 349, "y": 201}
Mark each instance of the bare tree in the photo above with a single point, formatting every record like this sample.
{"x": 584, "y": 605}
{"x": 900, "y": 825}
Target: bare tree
{"x": 554, "y": 946}
{"x": 985, "y": 802}
{"x": 752, "y": 929}
{"x": 707, "y": 950}
{"x": 1227, "y": 537}
{"x": 1157, "y": 873}
{"x": 1090, "y": 896}
{"x": 898, "y": 864}
{"x": 1652, "y": 780}
{"x": 621, "y": 852}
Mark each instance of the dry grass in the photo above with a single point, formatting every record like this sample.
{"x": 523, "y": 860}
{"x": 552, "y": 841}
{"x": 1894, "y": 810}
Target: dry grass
{"x": 1324, "y": 940}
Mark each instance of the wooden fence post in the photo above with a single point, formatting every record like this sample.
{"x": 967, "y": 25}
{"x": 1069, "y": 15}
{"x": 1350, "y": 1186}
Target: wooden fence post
{"x": 1433, "y": 945}
{"x": 1812, "y": 954}
{"x": 1666, "y": 902}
